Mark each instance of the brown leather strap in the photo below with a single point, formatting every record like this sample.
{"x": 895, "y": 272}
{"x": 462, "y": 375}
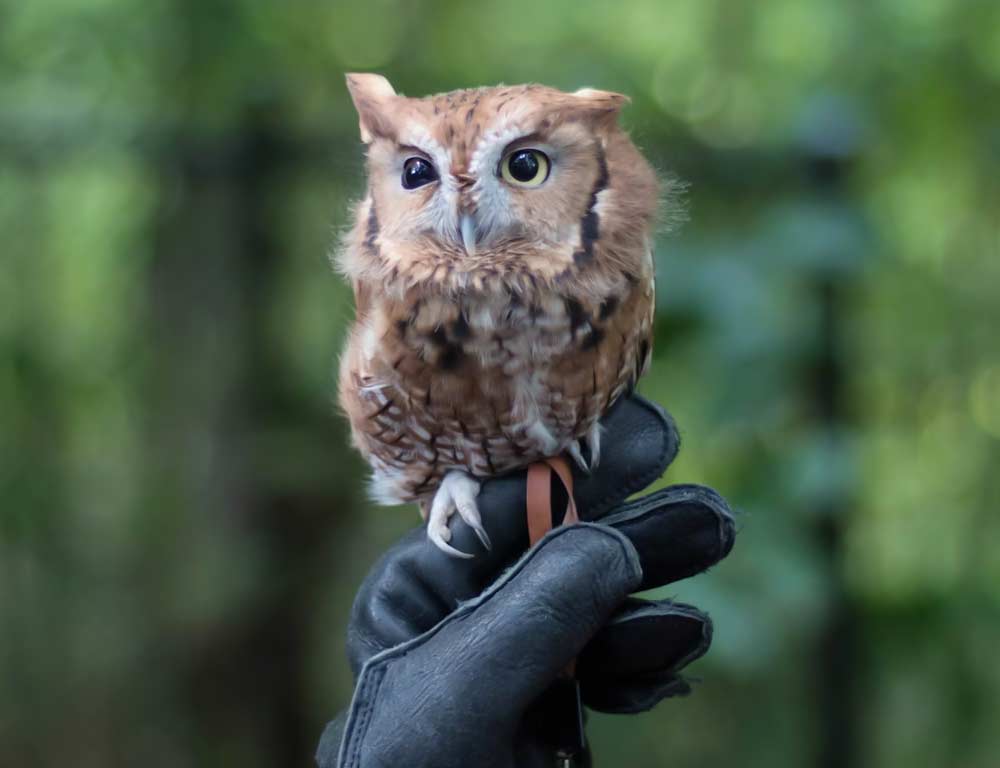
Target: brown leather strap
{"x": 540, "y": 507}
{"x": 540, "y": 496}
{"x": 539, "y": 501}
{"x": 561, "y": 468}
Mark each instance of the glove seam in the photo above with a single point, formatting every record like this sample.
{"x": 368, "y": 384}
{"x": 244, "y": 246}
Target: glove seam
{"x": 357, "y": 723}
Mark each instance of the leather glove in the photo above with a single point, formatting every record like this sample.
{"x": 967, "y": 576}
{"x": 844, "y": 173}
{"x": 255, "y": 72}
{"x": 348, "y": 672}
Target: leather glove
{"x": 453, "y": 657}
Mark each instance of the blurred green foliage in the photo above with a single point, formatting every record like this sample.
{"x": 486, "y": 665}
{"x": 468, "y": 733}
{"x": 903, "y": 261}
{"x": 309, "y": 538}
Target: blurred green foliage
{"x": 183, "y": 526}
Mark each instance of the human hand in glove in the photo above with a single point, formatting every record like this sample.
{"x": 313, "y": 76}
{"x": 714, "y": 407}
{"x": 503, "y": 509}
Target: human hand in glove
{"x": 453, "y": 658}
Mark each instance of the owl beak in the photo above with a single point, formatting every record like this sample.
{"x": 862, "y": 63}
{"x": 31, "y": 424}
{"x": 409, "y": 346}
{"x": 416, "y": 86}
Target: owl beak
{"x": 467, "y": 225}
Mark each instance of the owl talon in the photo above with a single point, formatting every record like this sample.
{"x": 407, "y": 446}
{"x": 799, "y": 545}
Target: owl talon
{"x": 443, "y": 532}
{"x": 457, "y": 493}
{"x": 484, "y": 537}
{"x": 574, "y": 451}
{"x": 594, "y": 444}
{"x": 438, "y": 539}
{"x": 470, "y": 514}
{"x": 464, "y": 491}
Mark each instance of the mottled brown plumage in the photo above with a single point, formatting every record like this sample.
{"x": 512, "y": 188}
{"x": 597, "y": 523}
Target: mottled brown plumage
{"x": 496, "y": 321}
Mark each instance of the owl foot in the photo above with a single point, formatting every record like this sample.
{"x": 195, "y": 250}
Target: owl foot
{"x": 457, "y": 493}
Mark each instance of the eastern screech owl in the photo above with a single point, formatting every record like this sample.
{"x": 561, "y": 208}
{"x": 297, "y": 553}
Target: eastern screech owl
{"x": 503, "y": 282}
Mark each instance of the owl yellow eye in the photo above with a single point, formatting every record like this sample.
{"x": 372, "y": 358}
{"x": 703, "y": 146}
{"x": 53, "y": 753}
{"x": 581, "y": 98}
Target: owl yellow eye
{"x": 417, "y": 172}
{"x": 525, "y": 168}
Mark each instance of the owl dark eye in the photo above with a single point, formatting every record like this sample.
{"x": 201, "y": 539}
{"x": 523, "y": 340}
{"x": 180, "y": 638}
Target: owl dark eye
{"x": 417, "y": 172}
{"x": 525, "y": 168}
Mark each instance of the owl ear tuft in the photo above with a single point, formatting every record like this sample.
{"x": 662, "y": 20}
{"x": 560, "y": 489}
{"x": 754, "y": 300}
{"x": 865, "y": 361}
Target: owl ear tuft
{"x": 603, "y": 106}
{"x": 372, "y": 96}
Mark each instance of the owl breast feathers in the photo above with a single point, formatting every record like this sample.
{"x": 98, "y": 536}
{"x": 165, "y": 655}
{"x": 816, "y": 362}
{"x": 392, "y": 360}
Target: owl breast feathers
{"x": 503, "y": 279}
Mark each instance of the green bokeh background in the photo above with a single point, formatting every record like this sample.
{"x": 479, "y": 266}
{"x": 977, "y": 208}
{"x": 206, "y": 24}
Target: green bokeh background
{"x": 182, "y": 524}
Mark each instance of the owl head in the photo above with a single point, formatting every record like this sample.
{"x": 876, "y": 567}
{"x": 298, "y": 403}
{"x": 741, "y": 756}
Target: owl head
{"x": 509, "y": 183}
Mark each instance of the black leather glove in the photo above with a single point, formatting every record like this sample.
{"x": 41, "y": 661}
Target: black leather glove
{"x": 453, "y": 657}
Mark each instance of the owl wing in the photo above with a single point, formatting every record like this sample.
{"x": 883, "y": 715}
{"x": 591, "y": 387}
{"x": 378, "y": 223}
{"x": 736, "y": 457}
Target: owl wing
{"x": 611, "y": 343}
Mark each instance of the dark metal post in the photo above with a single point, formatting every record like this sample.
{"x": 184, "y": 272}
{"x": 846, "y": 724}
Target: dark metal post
{"x": 830, "y": 142}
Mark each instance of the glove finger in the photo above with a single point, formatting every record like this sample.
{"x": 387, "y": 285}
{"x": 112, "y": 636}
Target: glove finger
{"x": 678, "y": 532}
{"x": 634, "y": 661}
{"x": 640, "y": 441}
{"x": 415, "y": 585}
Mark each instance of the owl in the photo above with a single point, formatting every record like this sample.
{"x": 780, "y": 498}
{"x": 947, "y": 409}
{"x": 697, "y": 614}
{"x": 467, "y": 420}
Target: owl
{"x": 503, "y": 283}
